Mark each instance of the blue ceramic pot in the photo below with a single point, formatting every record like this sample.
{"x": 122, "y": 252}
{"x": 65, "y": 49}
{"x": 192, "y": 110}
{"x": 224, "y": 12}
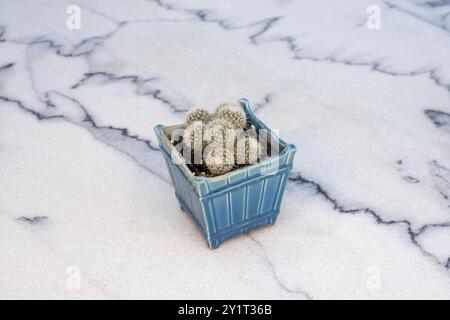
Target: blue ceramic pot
{"x": 234, "y": 203}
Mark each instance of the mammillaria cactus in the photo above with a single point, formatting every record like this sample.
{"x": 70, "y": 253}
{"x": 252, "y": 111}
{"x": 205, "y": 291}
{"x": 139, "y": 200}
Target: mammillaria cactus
{"x": 219, "y": 160}
{"x": 213, "y": 139}
{"x": 193, "y": 140}
{"x": 248, "y": 150}
{"x": 197, "y": 114}
{"x": 232, "y": 113}
{"x": 219, "y": 130}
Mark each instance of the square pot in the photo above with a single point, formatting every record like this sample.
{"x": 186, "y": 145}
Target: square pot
{"x": 236, "y": 202}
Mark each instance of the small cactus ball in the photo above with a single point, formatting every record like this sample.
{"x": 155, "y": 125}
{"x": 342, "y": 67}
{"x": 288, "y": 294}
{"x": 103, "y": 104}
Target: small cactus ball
{"x": 233, "y": 113}
{"x": 193, "y": 136}
{"x": 197, "y": 114}
{"x": 219, "y": 130}
{"x": 248, "y": 150}
{"x": 219, "y": 161}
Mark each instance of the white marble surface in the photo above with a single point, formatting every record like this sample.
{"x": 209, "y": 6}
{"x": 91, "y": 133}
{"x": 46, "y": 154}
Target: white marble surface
{"x": 84, "y": 194}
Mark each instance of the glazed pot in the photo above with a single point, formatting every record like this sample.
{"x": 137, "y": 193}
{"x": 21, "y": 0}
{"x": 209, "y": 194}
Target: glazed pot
{"x": 236, "y": 202}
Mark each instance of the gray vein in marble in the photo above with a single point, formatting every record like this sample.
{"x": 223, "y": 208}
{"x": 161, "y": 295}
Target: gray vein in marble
{"x": 2, "y": 33}
{"x": 87, "y": 46}
{"x": 437, "y": 3}
{"x": 280, "y": 283}
{"x": 77, "y": 50}
{"x": 28, "y": 64}
{"x": 406, "y": 178}
{"x": 376, "y": 66}
{"x": 441, "y": 177}
{"x": 299, "y": 179}
{"x": 87, "y": 117}
{"x": 110, "y": 77}
{"x": 430, "y": 227}
{"x": 38, "y": 115}
{"x": 440, "y": 119}
{"x": 118, "y": 138}
{"x": 410, "y": 179}
{"x": 432, "y": 4}
{"x": 84, "y": 47}
{"x": 33, "y": 220}
{"x": 7, "y": 66}
{"x": 266, "y": 101}
{"x": 292, "y": 45}
{"x": 141, "y": 84}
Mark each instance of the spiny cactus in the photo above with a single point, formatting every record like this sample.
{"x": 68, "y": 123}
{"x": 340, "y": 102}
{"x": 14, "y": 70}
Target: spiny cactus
{"x": 193, "y": 137}
{"x": 219, "y": 161}
{"x": 213, "y": 139}
{"x": 219, "y": 130}
{"x": 233, "y": 113}
{"x": 248, "y": 150}
{"x": 197, "y": 114}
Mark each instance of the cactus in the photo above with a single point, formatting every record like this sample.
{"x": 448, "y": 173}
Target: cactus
{"x": 212, "y": 138}
{"x": 193, "y": 140}
{"x": 197, "y": 114}
{"x": 219, "y": 130}
{"x": 219, "y": 160}
{"x": 248, "y": 150}
{"x": 233, "y": 113}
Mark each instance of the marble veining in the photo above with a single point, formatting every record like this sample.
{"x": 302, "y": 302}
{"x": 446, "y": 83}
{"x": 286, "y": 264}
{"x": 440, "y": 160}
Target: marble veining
{"x": 86, "y": 205}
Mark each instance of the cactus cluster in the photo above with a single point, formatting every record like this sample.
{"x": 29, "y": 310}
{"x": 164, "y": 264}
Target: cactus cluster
{"x": 215, "y": 136}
